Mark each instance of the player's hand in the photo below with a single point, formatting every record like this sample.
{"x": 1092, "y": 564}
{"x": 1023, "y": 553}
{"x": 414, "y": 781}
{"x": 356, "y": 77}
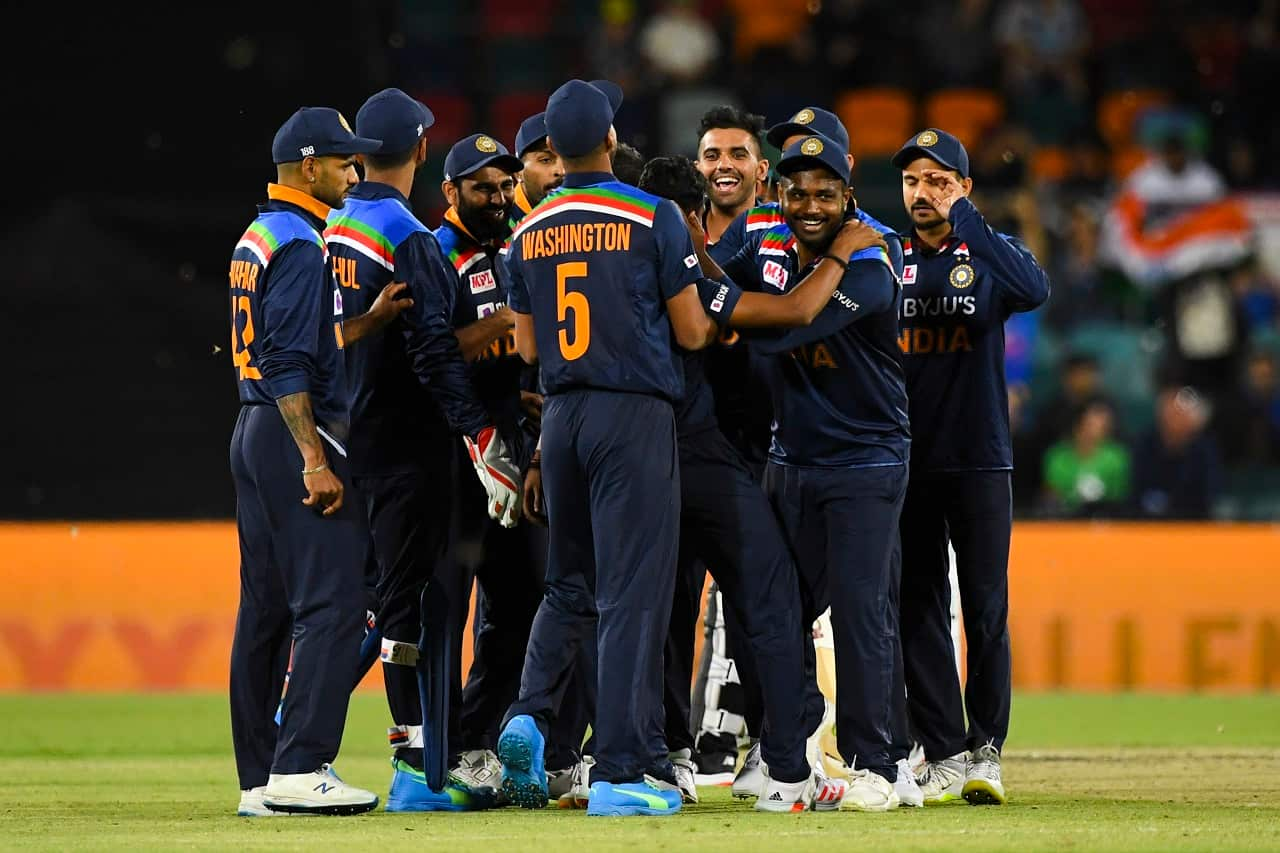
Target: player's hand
{"x": 389, "y": 305}
{"x": 531, "y": 405}
{"x": 535, "y": 507}
{"x": 854, "y": 236}
{"x": 693, "y": 221}
{"x": 324, "y": 491}
{"x": 941, "y": 190}
{"x": 498, "y": 474}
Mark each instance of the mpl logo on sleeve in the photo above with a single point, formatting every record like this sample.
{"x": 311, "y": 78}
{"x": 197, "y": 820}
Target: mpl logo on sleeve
{"x": 909, "y": 274}
{"x": 775, "y": 273}
{"x": 482, "y": 281}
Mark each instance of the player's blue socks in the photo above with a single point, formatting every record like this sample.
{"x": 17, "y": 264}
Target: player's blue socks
{"x": 409, "y": 793}
{"x": 524, "y": 774}
{"x": 625, "y": 799}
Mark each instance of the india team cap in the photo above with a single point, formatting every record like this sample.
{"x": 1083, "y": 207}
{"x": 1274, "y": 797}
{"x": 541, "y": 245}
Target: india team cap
{"x": 394, "y": 117}
{"x": 532, "y": 131}
{"x": 470, "y": 155}
{"x": 810, "y": 120}
{"x": 815, "y": 151}
{"x": 937, "y": 145}
{"x": 579, "y": 115}
{"x": 318, "y": 132}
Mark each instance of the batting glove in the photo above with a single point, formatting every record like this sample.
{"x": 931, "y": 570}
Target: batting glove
{"x": 499, "y": 475}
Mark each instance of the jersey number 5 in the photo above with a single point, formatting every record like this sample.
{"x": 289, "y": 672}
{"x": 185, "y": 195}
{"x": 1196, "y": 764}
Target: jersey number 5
{"x": 240, "y": 343}
{"x": 572, "y": 301}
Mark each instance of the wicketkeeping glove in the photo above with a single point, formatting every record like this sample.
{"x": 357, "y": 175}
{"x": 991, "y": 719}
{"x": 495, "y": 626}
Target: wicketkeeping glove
{"x": 499, "y": 475}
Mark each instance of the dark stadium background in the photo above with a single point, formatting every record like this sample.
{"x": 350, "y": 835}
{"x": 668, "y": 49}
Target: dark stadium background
{"x": 139, "y": 142}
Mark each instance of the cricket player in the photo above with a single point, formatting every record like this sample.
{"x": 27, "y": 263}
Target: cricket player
{"x": 411, "y": 394}
{"x": 961, "y": 282}
{"x": 542, "y": 170}
{"x": 480, "y": 186}
{"x": 726, "y": 524}
{"x": 302, "y": 547}
{"x": 603, "y": 282}
{"x": 837, "y": 464}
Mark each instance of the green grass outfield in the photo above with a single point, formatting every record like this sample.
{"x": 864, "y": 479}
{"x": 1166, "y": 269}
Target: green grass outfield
{"x": 1084, "y": 772}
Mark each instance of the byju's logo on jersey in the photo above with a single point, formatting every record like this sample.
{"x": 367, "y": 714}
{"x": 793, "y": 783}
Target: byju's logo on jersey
{"x": 775, "y": 273}
{"x": 482, "y": 282}
{"x": 909, "y": 274}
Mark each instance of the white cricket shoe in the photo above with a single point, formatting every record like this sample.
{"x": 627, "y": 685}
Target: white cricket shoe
{"x": 869, "y": 792}
{"x": 251, "y": 803}
{"x": 751, "y": 778}
{"x": 982, "y": 783}
{"x": 828, "y": 791}
{"x": 478, "y": 772}
{"x": 318, "y": 792}
{"x": 686, "y": 774}
{"x": 908, "y": 791}
{"x": 578, "y": 796}
{"x": 778, "y": 796}
{"x": 943, "y": 781}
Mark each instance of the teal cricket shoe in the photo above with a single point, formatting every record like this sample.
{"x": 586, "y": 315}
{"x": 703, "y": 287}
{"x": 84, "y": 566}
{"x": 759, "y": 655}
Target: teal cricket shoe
{"x": 524, "y": 775}
{"x": 624, "y": 799}
{"x": 409, "y": 793}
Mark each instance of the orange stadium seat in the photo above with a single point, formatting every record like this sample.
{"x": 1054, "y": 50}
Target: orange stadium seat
{"x": 453, "y": 114}
{"x": 507, "y": 111}
{"x": 879, "y": 119}
{"x": 965, "y": 113}
{"x": 1126, "y": 159}
{"x": 1050, "y": 163}
{"x": 1118, "y": 113}
{"x": 758, "y": 24}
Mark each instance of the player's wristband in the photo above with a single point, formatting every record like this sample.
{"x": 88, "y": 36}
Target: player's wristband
{"x": 841, "y": 261}
{"x": 316, "y": 470}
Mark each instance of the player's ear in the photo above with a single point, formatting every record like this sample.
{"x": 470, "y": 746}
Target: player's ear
{"x": 420, "y": 155}
{"x": 762, "y": 169}
{"x": 967, "y": 183}
{"x": 450, "y": 190}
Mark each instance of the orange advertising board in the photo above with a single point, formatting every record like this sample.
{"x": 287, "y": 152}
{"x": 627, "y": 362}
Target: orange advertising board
{"x": 151, "y": 606}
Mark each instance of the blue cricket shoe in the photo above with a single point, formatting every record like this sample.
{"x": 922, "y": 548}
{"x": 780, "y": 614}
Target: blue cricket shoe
{"x": 524, "y": 775}
{"x": 625, "y": 799}
{"x": 409, "y": 793}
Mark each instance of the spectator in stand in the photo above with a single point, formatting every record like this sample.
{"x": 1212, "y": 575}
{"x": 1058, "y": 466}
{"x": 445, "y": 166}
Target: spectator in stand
{"x": 1250, "y": 423}
{"x": 1088, "y": 474}
{"x": 1258, "y": 295}
{"x": 1177, "y": 179}
{"x": 1177, "y": 470}
{"x": 1043, "y": 44}
{"x": 1077, "y": 273}
{"x": 1006, "y": 195}
{"x": 967, "y": 22}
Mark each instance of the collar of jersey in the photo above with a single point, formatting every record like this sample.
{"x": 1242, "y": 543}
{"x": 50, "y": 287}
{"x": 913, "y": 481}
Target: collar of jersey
{"x": 586, "y": 179}
{"x": 522, "y": 199}
{"x": 374, "y": 190}
{"x": 311, "y": 204}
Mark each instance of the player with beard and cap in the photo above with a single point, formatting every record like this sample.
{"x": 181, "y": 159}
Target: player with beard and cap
{"x": 837, "y": 463}
{"x": 542, "y": 172}
{"x": 961, "y": 282}
{"x": 603, "y": 282}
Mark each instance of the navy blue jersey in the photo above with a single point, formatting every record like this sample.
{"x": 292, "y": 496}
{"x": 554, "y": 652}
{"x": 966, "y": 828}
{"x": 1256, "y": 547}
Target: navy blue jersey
{"x": 839, "y": 397}
{"x": 286, "y": 310}
{"x": 762, "y": 217}
{"x": 954, "y": 305}
{"x": 594, "y": 264}
{"x": 481, "y": 291}
{"x": 374, "y": 240}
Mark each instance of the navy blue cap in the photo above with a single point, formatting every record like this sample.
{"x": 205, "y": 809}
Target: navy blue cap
{"x": 395, "y": 118}
{"x": 810, "y": 120}
{"x": 937, "y": 145}
{"x": 532, "y": 131}
{"x": 815, "y": 151}
{"x": 472, "y": 154}
{"x": 318, "y": 132}
{"x": 579, "y": 115}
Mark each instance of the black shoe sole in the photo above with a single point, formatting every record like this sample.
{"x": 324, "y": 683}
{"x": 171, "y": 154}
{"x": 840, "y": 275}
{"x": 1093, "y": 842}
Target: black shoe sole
{"x": 335, "y": 811}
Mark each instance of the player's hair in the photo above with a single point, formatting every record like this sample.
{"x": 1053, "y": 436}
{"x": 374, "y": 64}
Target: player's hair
{"x": 725, "y": 116}
{"x": 390, "y": 160}
{"x": 627, "y": 163}
{"x": 676, "y": 178}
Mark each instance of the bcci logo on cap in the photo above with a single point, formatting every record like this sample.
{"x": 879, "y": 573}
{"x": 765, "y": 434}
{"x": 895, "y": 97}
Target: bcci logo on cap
{"x": 927, "y": 139}
{"x": 486, "y": 145}
{"x": 811, "y": 147}
{"x": 803, "y": 117}
{"x": 342, "y": 121}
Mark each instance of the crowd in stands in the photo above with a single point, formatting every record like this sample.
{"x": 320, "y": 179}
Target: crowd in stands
{"x": 1122, "y": 140}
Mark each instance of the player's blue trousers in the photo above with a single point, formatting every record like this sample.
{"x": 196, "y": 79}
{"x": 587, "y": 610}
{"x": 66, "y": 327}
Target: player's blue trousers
{"x": 974, "y": 510}
{"x": 612, "y": 486}
{"x": 842, "y": 525}
{"x": 301, "y": 579}
{"x": 727, "y": 526}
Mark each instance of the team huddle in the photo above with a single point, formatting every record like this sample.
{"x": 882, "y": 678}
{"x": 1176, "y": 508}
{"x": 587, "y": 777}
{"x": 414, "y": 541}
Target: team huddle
{"x": 658, "y": 370}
